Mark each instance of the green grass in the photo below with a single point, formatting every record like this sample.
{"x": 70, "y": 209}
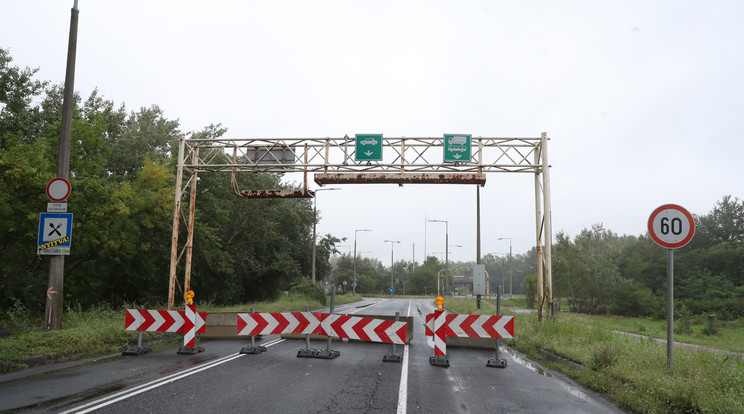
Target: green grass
{"x": 730, "y": 335}
{"x": 84, "y": 334}
{"x": 100, "y": 332}
{"x": 631, "y": 371}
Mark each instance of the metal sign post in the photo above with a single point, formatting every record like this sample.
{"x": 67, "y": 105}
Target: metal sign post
{"x": 671, "y": 226}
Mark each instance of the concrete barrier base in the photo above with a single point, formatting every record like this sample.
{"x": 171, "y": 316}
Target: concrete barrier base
{"x": 479, "y": 343}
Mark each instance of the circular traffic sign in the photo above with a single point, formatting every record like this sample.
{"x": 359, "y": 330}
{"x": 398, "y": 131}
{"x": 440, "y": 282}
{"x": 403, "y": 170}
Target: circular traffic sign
{"x": 671, "y": 226}
{"x": 58, "y": 189}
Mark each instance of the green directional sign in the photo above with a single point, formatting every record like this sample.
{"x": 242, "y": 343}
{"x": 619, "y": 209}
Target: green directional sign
{"x": 369, "y": 147}
{"x": 457, "y": 147}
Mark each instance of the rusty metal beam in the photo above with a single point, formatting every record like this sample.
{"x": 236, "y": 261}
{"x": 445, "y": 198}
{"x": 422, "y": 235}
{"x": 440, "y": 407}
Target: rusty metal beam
{"x": 400, "y": 179}
{"x": 276, "y": 194}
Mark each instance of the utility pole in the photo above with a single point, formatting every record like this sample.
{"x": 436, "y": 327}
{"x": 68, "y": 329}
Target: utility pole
{"x": 54, "y": 302}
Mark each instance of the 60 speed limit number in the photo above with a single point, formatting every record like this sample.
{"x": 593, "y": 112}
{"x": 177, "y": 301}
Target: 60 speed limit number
{"x": 671, "y": 226}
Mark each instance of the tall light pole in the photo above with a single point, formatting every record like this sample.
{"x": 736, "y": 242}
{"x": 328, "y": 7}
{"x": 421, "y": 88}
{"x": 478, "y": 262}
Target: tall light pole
{"x": 510, "y": 264}
{"x": 446, "y": 252}
{"x": 392, "y": 283}
{"x": 353, "y": 282}
{"x": 315, "y": 221}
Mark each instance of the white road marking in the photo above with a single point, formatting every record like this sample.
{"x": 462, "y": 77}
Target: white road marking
{"x": 123, "y": 395}
{"x": 403, "y": 387}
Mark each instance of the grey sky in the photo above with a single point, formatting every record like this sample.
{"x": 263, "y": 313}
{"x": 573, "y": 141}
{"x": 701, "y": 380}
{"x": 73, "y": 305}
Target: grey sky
{"x": 642, "y": 100}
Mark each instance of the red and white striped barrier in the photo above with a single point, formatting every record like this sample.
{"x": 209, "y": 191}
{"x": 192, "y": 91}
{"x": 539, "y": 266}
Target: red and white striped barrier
{"x": 441, "y": 325}
{"x": 365, "y": 329}
{"x": 190, "y": 322}
{"x": 342, "y": 326}
{"x": 274, "y": 323}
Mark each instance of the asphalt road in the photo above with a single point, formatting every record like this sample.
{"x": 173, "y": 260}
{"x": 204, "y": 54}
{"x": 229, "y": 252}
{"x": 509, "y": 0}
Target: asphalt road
{"x": 277, "y": 381}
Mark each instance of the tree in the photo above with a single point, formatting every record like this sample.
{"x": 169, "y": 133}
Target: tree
{"x": 423, "y": 281}
{"x": 723, "y": 224}
{"x": 587, "y": 268}
{"x": 19, "y": 117}
{"x": 145, "y": 134}
{"x": 323, "y": 251}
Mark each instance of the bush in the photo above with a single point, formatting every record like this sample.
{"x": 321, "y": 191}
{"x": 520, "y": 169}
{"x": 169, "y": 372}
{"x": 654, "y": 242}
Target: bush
{"x": 604, "y": 357}
{"x": 309, "y": 291}
{"x": 530, "y": 286}
{"x": 683, "y": 327}
{"x": 634, "y": 299}
{"x": 17, "y": 316}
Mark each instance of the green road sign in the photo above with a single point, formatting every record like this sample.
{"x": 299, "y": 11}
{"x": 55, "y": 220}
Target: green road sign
{"x": 369, "y": 147}
{"x": 456, "y": 147}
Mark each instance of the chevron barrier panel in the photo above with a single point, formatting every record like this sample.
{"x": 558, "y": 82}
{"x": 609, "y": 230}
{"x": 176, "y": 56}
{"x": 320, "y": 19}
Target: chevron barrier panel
{"x": 188, "y": 321}
{"x": 161, "y": 321}
{"x": 342, "y": 326}
{"x": 442, "y": 325}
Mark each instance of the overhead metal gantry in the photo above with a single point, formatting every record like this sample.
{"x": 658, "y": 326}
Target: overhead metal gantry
{"x": 407, "y": 160}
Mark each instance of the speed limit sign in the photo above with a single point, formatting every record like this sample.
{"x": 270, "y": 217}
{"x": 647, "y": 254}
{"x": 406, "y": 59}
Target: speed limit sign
{"x": 671, "y": 226}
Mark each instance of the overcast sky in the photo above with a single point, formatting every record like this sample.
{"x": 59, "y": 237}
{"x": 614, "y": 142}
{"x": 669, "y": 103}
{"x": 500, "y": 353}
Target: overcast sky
{"x": 643, "y": 101}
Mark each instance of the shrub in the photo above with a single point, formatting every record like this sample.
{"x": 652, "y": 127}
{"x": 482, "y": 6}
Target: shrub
{"x": 604, "y": 357}
{"x": 683, "y": 327}
{"x": 530, "y": 286}
{"x": 634, "y": 299}
{"x": 18, "y": 316}
{"x": 309, "y": 291}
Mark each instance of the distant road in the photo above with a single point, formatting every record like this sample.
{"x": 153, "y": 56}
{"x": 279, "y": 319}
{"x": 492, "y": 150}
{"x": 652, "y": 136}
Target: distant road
{"x": 358, "y": 381}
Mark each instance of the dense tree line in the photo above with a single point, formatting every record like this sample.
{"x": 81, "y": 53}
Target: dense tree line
{"x": 122, "y": 172}
{"x": 599, "y": 271}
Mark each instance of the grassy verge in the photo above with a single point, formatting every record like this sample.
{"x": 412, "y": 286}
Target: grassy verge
{"x": 631, "y": 371}
{"x": 101, "y": 332}
{"x": 730, "y": 335}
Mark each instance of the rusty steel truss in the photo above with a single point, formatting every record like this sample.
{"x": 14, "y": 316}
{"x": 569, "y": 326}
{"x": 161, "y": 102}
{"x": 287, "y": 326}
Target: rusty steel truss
{"x": 407, "y": 160}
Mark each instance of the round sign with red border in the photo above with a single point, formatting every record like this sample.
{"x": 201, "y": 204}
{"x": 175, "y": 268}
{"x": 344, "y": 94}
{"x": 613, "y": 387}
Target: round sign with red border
{"x": 58, "y": 189}
{"x": 671, "y": 226}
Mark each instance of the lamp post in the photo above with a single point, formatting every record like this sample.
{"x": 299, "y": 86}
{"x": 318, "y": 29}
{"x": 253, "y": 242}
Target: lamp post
{"x": 392, "y": 262}
{"x": 345, "y": 245}
{"x": 510, "y": 264}
{"x": 353, "y": 282}
{"x": 446, "y": 253}
{"x": 315, "y": 220}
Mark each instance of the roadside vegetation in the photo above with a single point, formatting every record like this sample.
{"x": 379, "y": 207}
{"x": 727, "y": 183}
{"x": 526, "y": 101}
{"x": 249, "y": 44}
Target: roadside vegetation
{"x": 629, "y": 370}
{"x": 100, "y": 331}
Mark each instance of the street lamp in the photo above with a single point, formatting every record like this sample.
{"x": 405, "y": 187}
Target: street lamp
{"x": 345, "y": 245}
{"x": 353, "y": 283}
{"x": 510, "y": 264}
{"x": 453, "y": 245}
{"x": 446, "y": 253}
{"x": 315, "y": 220}
{"x": 392, "y": 283}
